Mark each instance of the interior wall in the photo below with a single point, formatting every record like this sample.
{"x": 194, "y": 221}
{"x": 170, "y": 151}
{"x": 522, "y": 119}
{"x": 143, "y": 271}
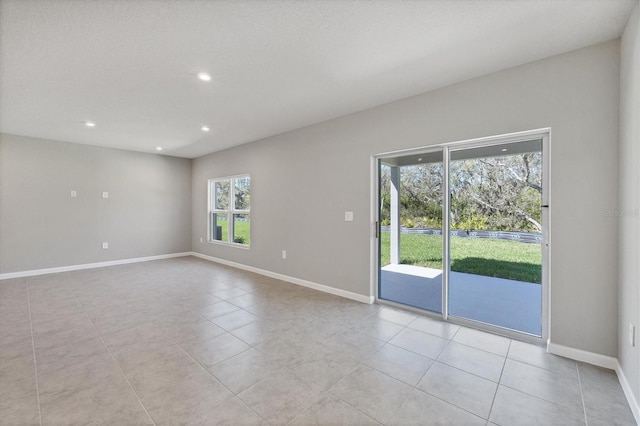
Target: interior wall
{"x": 148, "y": 211}
{"x": 629, "y": 208}
{"x": 303, "y": 181}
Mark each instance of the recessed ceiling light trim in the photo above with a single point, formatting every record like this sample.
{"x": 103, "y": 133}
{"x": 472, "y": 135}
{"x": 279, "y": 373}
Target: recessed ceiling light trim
{"x": 158, "y": 148}
{"x": 89, "y": 123}
{"x": 205, "y": 128}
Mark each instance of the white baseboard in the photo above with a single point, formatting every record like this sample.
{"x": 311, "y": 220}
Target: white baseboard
{"x": 631, "y": 398}
{"x": 320, "y": 287}
{"x": 35, "y": 272}
{"x": 600, "y": 361}
{"x": 583, "y": 356}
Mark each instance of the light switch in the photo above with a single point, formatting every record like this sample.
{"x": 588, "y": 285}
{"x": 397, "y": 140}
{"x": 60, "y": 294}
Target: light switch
{"x": 105, "y": 195}
{"x": 348, "y": 216}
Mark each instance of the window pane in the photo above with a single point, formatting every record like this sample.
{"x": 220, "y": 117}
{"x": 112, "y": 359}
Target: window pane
{"x": 241, "y": 228}
{"x": 221, "y": 195}
{"x": 242, "y": 191}
{"x": 219, "y": 228}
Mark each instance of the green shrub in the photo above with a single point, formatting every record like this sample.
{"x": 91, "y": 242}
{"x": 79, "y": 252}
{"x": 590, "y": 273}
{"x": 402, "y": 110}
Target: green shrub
{"x": 408, "y": 223}
{"x": 474, "y": 222}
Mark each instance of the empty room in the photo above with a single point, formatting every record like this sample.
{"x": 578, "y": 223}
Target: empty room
{"x": 319, "y": 212}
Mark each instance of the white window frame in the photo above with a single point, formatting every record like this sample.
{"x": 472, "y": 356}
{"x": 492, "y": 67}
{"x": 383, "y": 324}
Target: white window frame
{"x": 230, "y": 211}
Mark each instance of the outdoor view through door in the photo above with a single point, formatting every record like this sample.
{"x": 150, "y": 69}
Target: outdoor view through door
{"x": 493, "y": 270}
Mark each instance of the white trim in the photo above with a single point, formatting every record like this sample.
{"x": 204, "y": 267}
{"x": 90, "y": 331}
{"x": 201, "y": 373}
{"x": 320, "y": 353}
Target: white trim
{"x": 320, "y": 287}
{"x": 544, "y": 134}
{"x": 446, "y": 231}
{"x": 488, "y": 140}
{"x": 230, "y": 212}
{"x": 583, "y": 356}
{"x": 631, "y": 399}
{"x": 374, "y": 244}
{"x": 69, "y": 268}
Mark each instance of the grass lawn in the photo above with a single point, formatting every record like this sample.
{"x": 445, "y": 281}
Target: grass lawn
{"x": 241, "y": 230}
{"x": 492, "y": 258}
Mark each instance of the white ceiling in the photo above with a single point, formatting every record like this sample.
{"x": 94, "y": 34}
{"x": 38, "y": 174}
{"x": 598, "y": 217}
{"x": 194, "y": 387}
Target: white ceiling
{"x": 130, "y": 66}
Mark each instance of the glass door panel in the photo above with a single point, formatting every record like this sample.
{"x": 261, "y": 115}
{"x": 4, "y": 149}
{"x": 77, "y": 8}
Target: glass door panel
{"x": 410, "y": 230}
{"x": 496, "y": 235}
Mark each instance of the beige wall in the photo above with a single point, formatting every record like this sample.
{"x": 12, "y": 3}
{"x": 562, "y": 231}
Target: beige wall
{"x": 629, "y": 221}
{"x": 41, "y": 226}
{"x": 304, "y": 180}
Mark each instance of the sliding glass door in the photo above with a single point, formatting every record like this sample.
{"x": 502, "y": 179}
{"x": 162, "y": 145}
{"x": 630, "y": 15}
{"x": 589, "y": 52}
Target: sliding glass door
{"x": 495, "y": 245}
{"x": 411, "y": 255}
{"x": 477, "y": 255}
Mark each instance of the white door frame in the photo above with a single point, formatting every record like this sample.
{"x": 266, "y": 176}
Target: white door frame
{"x": 544, "y": 135}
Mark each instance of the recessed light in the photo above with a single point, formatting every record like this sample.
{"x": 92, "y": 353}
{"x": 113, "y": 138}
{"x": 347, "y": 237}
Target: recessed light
{"x": 205, "y": 128}
{"x": 158, "y": 148}
{"x": 504, "y": 149}
{"x": 420, "y": 159}
{"x": 204, "y": 76}
{"x": 89, "y": 123}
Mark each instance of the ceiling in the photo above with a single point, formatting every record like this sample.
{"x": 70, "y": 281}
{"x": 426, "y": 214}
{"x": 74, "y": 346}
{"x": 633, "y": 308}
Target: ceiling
{"x": 131, "y": 66}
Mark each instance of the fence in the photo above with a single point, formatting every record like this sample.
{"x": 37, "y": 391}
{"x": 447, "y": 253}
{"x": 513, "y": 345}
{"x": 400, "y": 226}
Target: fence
{"x": 523, "y": 237}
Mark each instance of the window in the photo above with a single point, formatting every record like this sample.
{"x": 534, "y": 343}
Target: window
{"x": 229, "y": 210}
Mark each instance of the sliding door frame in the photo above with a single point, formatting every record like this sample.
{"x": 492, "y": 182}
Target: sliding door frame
{"x": 544, "y": 135}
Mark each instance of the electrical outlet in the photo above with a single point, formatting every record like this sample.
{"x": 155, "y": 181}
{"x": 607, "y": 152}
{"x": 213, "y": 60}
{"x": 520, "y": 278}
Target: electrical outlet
{"x": 348, "y": 216}
{"x": 632, "y": 335}
{"x": 105, "y": 246}
{"x": 74, "y": 194}
{"x": 201, "y": 240}
{"x": 105, "y": 194}
{"x": 284, "y": 254}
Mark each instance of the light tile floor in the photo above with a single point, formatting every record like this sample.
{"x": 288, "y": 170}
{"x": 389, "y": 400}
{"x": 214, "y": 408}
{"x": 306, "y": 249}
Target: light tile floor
{"x": 192, "y": 342}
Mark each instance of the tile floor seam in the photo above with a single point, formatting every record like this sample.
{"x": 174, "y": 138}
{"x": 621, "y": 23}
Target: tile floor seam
{"x": 493, "y": 401}
{"x": 458, "y": 331}
{"x": 113, "y": 357}
{"x": 415, "y": 388}
{"x": 453, "y": 404}
{"x": 328, "y": 392}
{"x": 235, "y": 395}
{"x": 127, "y": 380}
{"x": 584, "y": 406}
{"x": 563, "y": 407}
{"x": 33, "y": 348}
{"x": 465, "y": 371}
{"x": 417, "y": 353}
{"x": 535, "y": 365}
{"x": 306, "y": 380}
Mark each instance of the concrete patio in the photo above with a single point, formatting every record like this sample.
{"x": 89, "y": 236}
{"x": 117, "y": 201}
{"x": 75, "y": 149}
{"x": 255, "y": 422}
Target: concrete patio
{"x": 514, "y": 305}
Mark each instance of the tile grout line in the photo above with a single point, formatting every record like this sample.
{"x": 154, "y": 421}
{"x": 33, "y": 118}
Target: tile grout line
{"x": 125, "y": 378}
{"x": 415, "y": 388}
{"x": 111, "y": 354}
{"x": 493, "y": 401}
{"x": 584, "y": 407}
{"x": 33, "y": 347}
{"x": 219, "y": 381}
{"x": 328, "y": 392}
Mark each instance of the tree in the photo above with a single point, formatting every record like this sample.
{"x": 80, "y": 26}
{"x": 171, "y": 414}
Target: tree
{"x": 501, "y": 193}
